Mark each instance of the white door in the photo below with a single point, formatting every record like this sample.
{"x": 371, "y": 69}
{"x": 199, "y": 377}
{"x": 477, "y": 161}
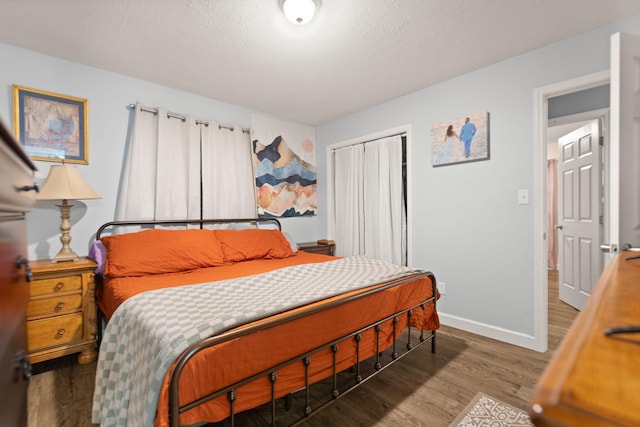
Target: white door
{"x": 624, "y": 177}
{"x": 580, "y": 207}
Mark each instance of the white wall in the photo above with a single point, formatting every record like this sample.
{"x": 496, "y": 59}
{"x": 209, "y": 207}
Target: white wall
{"x": 108, "y": 94}
{"x": 467, "y": 226}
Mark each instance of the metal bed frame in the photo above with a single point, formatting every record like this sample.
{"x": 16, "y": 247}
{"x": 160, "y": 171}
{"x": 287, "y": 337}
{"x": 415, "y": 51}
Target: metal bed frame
{"x": 380, "y": 362}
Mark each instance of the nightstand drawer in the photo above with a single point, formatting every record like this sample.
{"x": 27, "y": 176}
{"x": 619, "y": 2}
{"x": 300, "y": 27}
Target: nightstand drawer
{"x": 55, "y": 331}
{"x": 53, "y": 306}
{"x": 55, "y": 285}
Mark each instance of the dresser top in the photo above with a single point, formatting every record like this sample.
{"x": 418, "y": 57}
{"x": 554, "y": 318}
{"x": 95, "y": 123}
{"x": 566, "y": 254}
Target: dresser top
{"x": 42, "y": 265}
{"x": 594, "y": 379}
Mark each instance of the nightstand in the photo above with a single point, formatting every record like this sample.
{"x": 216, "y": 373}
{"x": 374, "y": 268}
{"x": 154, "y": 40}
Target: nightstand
{"x": 61, "y": 315}
{"x": 317, "y": 248}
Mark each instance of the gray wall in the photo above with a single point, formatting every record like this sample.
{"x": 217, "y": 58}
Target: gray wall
{"x": 108, "y": 94}
{"x": 467, "y": 225}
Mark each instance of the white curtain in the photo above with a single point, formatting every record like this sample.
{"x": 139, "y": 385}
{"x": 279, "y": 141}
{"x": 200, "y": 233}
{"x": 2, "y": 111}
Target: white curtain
{"x": 164, "y": 163}
{"x": 137, "y": 195}
{"x": 349, "y": 200}
{"x": 370, "y": 216}
{"x": 177, "y": 167}
{"x": 228, "y": 186}
{"x": 384, "y": 200}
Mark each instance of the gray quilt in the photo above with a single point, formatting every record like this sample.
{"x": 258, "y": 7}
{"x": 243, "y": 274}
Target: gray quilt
{"x": 149, "y": 331}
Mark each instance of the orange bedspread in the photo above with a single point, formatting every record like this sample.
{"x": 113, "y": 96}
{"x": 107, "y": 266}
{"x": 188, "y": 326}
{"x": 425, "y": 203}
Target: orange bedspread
{"x": 232, "y": 361}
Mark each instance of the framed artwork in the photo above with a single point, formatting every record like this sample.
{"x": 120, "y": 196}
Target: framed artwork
{"x": 284, "y": 166}
{"x": 461, "y": 140}
{"x": 50, "y": 126}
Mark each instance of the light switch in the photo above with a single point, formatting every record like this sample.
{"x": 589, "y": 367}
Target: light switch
{"x": 523, "y": 197}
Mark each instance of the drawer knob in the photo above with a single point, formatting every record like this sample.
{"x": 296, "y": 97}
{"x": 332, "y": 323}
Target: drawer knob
{"x": 58, "y": 286}
{"x": 60, "y": 333}
{"x": 59, "y": 306}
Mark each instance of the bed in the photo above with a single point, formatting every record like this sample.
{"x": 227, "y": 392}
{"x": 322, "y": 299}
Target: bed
{"x": 203, "y": 323}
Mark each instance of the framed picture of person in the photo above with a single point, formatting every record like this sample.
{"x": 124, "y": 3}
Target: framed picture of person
{"x": 50, "y": 126}
{"x": 461, "y": 140}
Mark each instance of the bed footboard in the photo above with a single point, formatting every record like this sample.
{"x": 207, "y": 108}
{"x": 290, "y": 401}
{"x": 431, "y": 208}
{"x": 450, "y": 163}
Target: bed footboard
{"x": 405, "y": 339}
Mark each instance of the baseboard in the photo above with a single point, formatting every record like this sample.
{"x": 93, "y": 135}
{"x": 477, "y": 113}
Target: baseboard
{"x": 489, "y": 331}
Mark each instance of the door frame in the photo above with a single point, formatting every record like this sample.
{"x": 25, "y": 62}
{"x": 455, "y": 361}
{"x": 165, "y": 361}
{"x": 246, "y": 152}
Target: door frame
{"x": 541, "y": 96}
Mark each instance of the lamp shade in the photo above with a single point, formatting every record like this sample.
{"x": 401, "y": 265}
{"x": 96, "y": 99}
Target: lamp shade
{"x": 299, "y": 11}
{"x": 65, "y": 183}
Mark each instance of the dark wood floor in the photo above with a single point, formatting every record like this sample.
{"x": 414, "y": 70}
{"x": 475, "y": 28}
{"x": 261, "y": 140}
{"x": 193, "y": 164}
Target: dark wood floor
{"x": 422, "y": 389}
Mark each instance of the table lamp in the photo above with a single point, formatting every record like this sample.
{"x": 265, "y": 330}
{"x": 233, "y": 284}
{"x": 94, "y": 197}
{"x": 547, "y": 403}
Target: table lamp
{"x": 65, "y": 183}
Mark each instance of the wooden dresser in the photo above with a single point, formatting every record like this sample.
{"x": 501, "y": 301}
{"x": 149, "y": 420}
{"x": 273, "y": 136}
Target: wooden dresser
{"x": 17, "y": 196}
{"x": 61, "y": 316}
{"x": 594, "y": 379}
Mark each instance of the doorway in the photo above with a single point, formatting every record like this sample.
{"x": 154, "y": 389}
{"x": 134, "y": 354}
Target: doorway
{"x": 542, "y": 97}
{"x": 621, "y": 226}
{"x": 576, "y": 149}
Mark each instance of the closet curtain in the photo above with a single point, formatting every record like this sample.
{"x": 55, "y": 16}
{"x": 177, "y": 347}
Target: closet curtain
{"x": 370, "y": 217}
{"x": 349, "y": 200}
{"x": 176, "y": 168}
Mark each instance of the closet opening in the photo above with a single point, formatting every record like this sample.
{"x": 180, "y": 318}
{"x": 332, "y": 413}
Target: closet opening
{"x": 369, "y": 196}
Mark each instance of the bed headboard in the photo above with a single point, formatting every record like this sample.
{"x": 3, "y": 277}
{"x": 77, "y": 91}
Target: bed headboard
{"x": 201, "y": 222}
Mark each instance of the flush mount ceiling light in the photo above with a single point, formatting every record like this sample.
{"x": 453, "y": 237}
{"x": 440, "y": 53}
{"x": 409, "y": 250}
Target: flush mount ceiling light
{"x": 299, "y": 12}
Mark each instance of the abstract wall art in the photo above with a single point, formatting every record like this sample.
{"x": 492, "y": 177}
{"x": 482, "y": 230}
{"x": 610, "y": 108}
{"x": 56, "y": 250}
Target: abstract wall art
{"x": 284, "y": 162}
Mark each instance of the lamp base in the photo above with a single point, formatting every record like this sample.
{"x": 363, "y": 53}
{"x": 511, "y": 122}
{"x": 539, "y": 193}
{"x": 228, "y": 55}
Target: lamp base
{"x": 65, "y": 256}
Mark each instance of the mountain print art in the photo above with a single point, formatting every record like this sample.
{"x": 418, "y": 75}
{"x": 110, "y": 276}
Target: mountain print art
{"x": 285, "y": 183}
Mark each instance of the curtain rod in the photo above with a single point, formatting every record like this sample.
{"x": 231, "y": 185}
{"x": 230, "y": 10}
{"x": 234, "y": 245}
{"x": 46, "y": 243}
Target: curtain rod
{"x": 369, "y": 140}
{"x": 183, "y": 118}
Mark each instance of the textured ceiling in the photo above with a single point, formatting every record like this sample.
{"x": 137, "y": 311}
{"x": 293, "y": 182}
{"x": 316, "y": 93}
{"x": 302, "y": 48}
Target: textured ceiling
{"x": 354, "y": 54}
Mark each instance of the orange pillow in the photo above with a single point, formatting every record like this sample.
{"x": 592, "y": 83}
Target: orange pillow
{"x": 161, "y": 251}
{"x": 244, "y": 245}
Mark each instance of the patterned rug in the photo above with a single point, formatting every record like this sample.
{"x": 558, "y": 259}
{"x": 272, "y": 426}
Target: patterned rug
{"x": 487, "y": 411}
